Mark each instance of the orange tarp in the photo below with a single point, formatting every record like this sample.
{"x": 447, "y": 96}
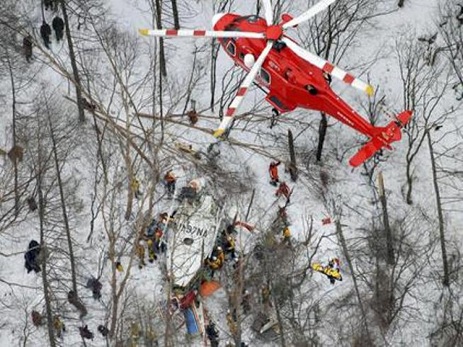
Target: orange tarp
{"x": 208, "y": 288}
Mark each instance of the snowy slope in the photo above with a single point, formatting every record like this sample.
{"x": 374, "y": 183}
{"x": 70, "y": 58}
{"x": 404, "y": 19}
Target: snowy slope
{"x": 347, "y": 196}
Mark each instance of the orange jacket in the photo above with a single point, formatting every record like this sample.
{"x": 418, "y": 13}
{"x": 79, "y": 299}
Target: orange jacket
{"x": 273, "y": 170}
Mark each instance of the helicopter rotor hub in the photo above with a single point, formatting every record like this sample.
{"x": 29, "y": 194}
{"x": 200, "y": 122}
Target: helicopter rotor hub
{"x": 274, "y": 32}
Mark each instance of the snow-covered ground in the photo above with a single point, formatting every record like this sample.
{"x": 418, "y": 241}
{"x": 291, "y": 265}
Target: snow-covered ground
{"x": 328, "y": 190}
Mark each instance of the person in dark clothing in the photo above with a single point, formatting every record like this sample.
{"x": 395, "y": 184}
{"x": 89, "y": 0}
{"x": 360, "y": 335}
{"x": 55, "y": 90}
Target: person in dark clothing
{"x": 212, "y": 334}
{"x": 27, "y": 48}
{"x": 58, "y": 27}
{"x": 48, "y": 4}
{"x": 31, "y": 203}
{"x": 169, "y": 181}
{"x": 45, "y": 32}
{"x": 37, "y": 318}
{"x": 95, "y": 286}
{"x": 31, "y": 257}
{"x": 85, "y": 333}
{"x": 103, "y": 330}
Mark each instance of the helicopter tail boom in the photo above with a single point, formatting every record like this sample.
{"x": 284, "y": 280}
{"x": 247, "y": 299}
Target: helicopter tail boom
{"x": 382, "y": 139}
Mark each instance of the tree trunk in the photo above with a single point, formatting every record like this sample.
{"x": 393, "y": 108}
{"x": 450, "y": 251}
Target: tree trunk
{"x": 175, "y": 14}
{"x": 75, "y": 70}
{"x": 13, "y": 110}
{"x": 440, "y": 215}
{"x": 162, "y": 56}
{"x": 386, "y": 225}
{"x": 321, "y": 135}
{"x": 250, "y": 205}
{"x": 214, "y": 53}
{"x": 343, "y": 243}
{"x": 280, "y": 322}
{"x": 63, "y": 208}
{"x": 292, "y": 155}
{"x": 409, "y": 176}
{"x": 43, "y": 255}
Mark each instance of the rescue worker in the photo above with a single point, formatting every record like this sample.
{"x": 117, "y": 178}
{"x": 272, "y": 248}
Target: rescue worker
{"x": 95, "y": 285}
{"x": 31, "y": 256}
{"x": 191, "y": 191}
{"x": 193, "y": 117}
{"x": 218, "y": 252}
{"x": 36, "y": 318}
{"x": 31, "y": 202}
{"x": 273, "y": 172}
{"x": 212, "y": 334}
{"x": 135, "y": 186}
{"x": 169, "y": 181}
{"x": 151, "y": 228}
{"x": 27, "y": 48}
{"x": 59, "y": 326}
{"x": 164, "y": 220}
{"x": 159, "y": 246}
{"x": 141, "y": 255}
{"x": 103, "y": 330}
{"x": 214, "y": 264}
{"x": 119, "y": 266}
{"x": 45, "y": 32}
{"x": 58, "y": 27}
{"x": 151, "y": 253}
{"x": 283, "y": 190}
{"x": 286, "y": 236}
{"x": 333, "y": 263}
{"x": 229, "y": 246}
{"x": 85, "y": 333}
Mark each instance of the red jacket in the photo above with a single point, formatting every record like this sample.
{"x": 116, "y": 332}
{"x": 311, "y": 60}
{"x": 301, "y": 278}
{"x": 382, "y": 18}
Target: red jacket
{"x": 273, "y": 170}
{"x": 284, "y": 190}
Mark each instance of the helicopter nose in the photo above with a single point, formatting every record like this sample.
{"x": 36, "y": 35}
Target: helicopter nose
{"x": 216, "y": 18}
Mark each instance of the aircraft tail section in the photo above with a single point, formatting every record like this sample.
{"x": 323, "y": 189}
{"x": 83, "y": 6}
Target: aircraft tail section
{"x": 383, "y": 138}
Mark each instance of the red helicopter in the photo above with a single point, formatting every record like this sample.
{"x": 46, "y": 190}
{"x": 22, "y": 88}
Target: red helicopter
{"x": 291, "y": 76}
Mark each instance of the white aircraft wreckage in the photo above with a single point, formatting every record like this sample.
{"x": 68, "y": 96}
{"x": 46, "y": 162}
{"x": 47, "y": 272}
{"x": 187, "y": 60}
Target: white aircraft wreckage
{"x": 198, "y": 219}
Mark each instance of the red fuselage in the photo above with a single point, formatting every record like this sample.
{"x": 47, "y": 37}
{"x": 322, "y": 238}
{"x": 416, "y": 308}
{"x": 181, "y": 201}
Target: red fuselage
{"x": 286, "y": 76}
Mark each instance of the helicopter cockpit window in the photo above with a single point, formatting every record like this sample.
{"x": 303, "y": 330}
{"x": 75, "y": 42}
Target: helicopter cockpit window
{"x": 231, "y": 48}
{"x": 252, "y": 19}
{"x": 265, "y": 76}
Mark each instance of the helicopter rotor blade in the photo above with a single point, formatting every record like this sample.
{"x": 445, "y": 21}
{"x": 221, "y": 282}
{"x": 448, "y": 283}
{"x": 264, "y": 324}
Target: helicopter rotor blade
{"x": 318, "y": 7}
{"x": 242, "y": 90}
{"x": 328, "y": 67}
{"x": 199, "y": 33}
{"x": 268, "y": 11}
